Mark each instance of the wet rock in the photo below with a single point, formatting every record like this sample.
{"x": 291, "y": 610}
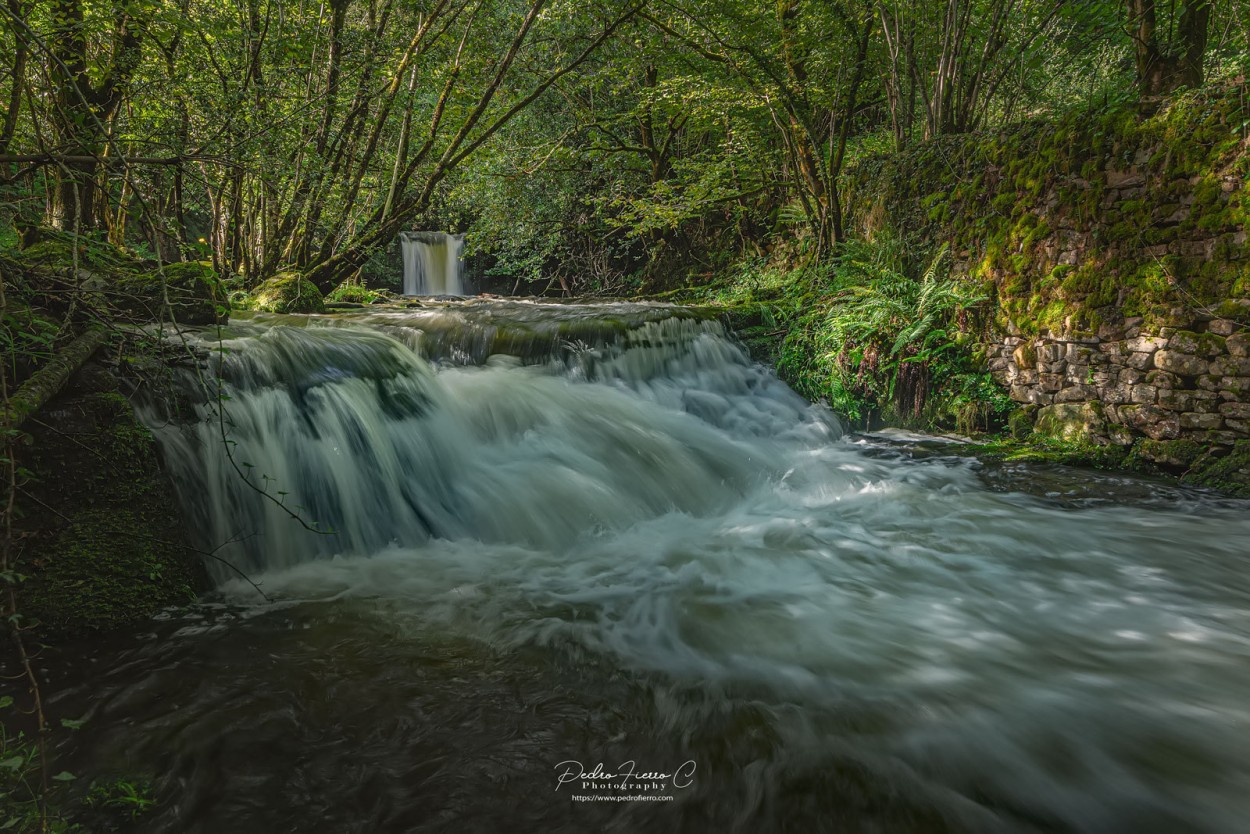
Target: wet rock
{"x": 1179, "y": 454}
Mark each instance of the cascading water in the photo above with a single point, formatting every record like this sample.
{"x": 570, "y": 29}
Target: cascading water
{"x": 432, "y": 263}
{"x": 600, "y": 534}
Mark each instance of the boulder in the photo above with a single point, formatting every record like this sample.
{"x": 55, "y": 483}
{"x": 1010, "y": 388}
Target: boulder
{"x": 286, "y": 292}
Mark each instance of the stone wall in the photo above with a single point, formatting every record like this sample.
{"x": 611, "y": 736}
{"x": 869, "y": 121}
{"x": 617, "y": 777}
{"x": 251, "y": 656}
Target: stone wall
{"x": 1084, "y": 219}
{"x": 1126, "y": 382}
{"x": 1115, "y": 247}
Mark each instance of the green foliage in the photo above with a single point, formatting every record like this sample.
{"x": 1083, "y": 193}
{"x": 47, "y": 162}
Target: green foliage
{"x": 134, "y": 799}
{"x": 354, "y": 293}
{"x": 877, "y": 333}
{"x": 24, "y": 804}
{"x": 890, "y": 335}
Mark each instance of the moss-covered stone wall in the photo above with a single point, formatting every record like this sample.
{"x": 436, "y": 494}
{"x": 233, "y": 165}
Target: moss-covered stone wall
{"x": 1114, "y": 245}
{"x": 1090, "y": 218}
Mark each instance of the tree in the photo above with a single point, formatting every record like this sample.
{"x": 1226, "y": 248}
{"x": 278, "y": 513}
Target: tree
{"x": 1165, "y": 63}
{"x": 82, "y": 108}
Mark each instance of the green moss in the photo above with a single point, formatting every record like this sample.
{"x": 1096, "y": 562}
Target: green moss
{"x": 103, "y": 537}
{"x": 187, "y": 293}
{"x": 1049, "y": 450}
{"x": 1020, "y": 423}
{"x": 1071, "y": 422}
{"x": 61, "y": 250}
{"x": 1171, "y": 454}
{"x": 353, "y": 293}
{"x": 103, "y": 573}
{"x": 1228, "y": 472}
{"x": 286, "y": 292}
{"x": 1191, "y": 154}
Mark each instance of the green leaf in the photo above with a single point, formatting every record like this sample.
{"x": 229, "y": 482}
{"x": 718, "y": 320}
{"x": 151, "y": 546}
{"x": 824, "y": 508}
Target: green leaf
{"x": 64, "y": 776}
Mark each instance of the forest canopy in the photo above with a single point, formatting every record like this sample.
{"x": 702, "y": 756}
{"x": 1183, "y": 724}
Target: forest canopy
{"x": 581, "y": 140}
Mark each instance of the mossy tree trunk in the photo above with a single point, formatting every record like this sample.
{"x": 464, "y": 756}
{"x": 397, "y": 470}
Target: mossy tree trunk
{"x": 49, "y": 380}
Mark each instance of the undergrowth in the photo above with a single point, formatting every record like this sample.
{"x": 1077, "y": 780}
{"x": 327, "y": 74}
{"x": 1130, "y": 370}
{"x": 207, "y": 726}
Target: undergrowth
{"x": 884, "y": 333}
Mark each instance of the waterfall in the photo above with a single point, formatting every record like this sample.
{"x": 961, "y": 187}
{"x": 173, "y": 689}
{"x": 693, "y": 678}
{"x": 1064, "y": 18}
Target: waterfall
{"x": 432, "y": 263}
{"x": 351, "y": 427}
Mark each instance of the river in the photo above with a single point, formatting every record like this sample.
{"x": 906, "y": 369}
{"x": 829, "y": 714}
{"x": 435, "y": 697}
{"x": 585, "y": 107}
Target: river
{"x": 503, "y": 543}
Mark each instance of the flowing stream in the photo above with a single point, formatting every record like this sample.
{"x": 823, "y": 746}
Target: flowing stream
{"x": 554, "y": 534}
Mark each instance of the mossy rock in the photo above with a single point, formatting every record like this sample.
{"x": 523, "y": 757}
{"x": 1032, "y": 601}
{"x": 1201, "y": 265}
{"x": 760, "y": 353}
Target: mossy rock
{"x": 1071, "y": 422}
{"x": 1229, "y": 473}
{"x": 286, "y": 292}
{"x": 1020, "y": 422}
{"x": 193, "y": 290}
{"x": 104, "y": 544}
{"x": 1169, "y": 454}
{"x": 354, "y": 294}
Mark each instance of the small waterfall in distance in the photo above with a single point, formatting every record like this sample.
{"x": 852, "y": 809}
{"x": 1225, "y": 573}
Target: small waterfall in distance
{"x": 432, "y": 263}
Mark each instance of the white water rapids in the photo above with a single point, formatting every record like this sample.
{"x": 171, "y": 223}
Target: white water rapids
{"x": 878, "y": 643}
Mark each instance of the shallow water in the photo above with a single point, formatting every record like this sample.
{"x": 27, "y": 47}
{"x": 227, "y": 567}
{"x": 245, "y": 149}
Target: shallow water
{"x": 627, "y": 542}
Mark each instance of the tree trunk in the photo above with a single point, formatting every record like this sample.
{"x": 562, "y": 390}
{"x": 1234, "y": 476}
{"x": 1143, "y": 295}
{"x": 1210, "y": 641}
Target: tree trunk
{"x": 1163, "y": 67}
